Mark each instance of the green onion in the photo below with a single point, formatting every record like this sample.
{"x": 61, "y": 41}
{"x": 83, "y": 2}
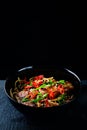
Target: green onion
{"x": 61, "y": 98}
{"x": 39, "y": 98}
{"x": 61, "y": 81}
{"x": 42, "y": 86}
{"x": 25, "y": 99}
{"x": 50, "y": 82}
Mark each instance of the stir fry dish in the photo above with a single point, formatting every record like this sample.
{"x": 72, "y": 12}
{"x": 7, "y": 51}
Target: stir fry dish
{"x": 41, "y": 91}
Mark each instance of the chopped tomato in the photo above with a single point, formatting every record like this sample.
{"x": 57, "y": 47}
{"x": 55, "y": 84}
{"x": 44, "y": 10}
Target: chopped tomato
{"x": 47, "y": 103}
{"x": 39, "y": 77}
{"x": 40, "y": 82}
{"x": 61, "y": 89}
{"x": 51, "y": 95}
{"x": 33, "y": 95}
{"x": 27, "y": 87}
{"x": 60, "y": 86}
{"x": 35, "y": 84}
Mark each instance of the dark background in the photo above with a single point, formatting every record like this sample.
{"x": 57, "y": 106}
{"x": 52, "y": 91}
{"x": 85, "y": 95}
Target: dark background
{"x": 52, "y": 40}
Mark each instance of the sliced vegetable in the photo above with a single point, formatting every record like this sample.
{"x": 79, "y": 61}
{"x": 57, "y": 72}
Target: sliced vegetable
{"x": 40, "y": 98}
{"x": 25, "y": 99}
{"x": 28, "y": 87}
{"x": 61, "y": 82}
{"x": 42, "y": 86}
{"x": 61, "y": 98}
{"x": 51, "y": 94}
{"x": 61, "y": 89}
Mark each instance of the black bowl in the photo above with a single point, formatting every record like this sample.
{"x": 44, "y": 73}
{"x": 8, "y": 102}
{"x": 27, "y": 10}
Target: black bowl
{"x": 58, "y": 73}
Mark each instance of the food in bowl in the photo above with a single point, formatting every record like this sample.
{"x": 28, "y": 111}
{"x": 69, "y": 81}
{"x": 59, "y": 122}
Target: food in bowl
{"x": 41, "y": 91}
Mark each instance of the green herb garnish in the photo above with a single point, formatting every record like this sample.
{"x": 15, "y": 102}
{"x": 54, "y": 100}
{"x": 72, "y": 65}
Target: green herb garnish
{"x": 61, "y": 81}
{"x": 39, "y": 98}
{"x": 25, "y": 99}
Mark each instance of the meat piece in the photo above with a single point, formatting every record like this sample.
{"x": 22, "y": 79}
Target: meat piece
{"x": 22, "y": 94}
{"x": 29, "y": 104}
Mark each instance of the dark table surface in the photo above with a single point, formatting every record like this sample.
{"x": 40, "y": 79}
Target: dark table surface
{"x": 12, "y": 119}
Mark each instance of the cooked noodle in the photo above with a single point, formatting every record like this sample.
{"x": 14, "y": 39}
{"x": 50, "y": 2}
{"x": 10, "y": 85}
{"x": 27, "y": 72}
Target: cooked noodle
{"x": 41, "y": 91}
